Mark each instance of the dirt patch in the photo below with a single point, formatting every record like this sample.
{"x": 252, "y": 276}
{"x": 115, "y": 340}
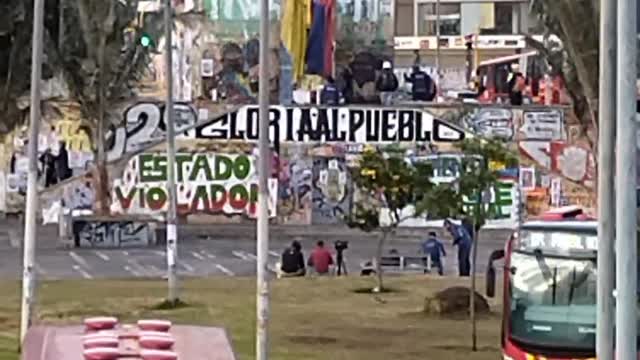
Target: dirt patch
{"x": 454, "y": 301}
{"x": 312, "y": 340}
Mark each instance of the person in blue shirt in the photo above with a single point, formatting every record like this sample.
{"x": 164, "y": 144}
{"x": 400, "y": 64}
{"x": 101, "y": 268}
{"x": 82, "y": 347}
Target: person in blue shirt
{"x": 433, "y": 248}
{"x": 330, "y": 95}
{"x": 462, "y": 240}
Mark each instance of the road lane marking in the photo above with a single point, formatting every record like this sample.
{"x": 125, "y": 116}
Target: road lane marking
{"x": 208, "y": 254}
{"x": 251, "y": 256}
{"x": 125, "y": 253}
{"x": 188, "y": 267}
{"x": 160, "y": 253}
{"x": 197, "y": 256}
{"x": 102, "y": 256}
{"x": 225, "y": 270}
{"x": 82, "y": 272}
{"x": 273, "y": 253}
{"x": 138, "y": 267}
{"x": 240, "y": 254}
{"x": 77, "y": 258}
{"x": 130, "y": 270}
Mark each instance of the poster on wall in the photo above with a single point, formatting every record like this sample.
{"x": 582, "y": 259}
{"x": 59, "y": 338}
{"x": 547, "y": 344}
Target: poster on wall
{"x": 528, "y": 178}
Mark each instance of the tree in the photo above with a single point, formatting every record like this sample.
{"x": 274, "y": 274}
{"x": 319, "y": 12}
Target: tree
{"x": 387, "y": 181}
{"x": 481, "y": 163}
{"x": 93, "y": 47}
{"x": 576, "y": 59}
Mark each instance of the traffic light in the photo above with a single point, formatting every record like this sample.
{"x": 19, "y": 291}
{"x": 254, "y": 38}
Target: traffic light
{"x": 146, "y": 41}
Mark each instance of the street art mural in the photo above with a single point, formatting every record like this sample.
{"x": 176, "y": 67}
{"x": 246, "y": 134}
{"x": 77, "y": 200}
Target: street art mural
{"x": 112, "y": 234}
{"x": 206, "y": 183}
{"x": 333, "y": 124}
{"x": 144, "y": 123}
{"x": 557, "y": 157}
{"x": 314, "y": 150}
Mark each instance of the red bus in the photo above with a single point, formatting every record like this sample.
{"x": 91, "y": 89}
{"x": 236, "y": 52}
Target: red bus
{"x": 549, "y": 290}
{"x": 493, "y": 76}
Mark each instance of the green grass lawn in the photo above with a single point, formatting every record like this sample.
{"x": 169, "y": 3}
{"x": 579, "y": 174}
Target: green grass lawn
{"x": 311, "y": 318}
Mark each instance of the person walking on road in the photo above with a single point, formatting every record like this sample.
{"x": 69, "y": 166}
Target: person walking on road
{"x": 292, "y": 264}
{"x": 462, "y": 240}
{"x": 434, "y": 249}
{"x": 387, "y": 84}
{"x": 320, "y": 259}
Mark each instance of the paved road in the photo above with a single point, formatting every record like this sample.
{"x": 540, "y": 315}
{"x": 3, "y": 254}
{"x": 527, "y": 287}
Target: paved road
{"x": 198, "y": 257}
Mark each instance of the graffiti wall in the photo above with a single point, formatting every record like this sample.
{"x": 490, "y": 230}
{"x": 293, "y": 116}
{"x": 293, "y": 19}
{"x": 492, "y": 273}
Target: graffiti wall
{"x": 557, "y": 163}
{"x": 314, "y": 150}
{"x": 207, "y": 183}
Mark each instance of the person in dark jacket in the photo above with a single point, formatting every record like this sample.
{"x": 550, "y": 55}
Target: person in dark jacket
{"x": 62, "y": 163}
{"x": 433, "y": 248}
{"x": 49, "y": 168}
{"x": 462, "y": 240}
{"x": 293, "y": 261}
{"x": 347, "y": 85}
{"x": 422, "y": 85}
{"x": 516, "y": 84}
{"x": 387, "y": 84}
{"x": 330, "y": 95}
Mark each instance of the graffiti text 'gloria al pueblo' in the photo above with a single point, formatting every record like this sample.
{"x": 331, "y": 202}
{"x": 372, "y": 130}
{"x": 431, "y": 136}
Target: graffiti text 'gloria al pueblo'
{"x": 332, "y": 124}
{"x": 211, "y": 183}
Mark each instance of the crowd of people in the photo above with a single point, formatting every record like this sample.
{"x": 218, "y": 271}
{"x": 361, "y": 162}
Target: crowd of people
{"x": 321, "y": 261}
{"x": 423, "y": 88}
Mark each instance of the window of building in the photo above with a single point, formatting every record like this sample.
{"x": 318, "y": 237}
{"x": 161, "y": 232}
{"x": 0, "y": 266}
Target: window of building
{"x": 404, "y": 17}
{"x": 503, "y": 17}
{"x": 449, "y": 19}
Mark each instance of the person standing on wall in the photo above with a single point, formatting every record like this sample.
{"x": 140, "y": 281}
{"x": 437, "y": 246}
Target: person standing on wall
{"x": 516, "y": 85}
{"x": 330, "y": 95}
{"x": 387, "y": 84}
{"x": 423, "y": 88}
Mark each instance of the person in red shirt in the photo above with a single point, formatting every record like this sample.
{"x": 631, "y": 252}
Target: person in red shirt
{"x": 320, "y": 259}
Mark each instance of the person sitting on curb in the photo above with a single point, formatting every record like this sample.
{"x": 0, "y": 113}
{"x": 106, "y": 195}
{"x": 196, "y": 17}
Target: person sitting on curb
{"x": 320, "y": 259}
{"x": 292, "y": 263}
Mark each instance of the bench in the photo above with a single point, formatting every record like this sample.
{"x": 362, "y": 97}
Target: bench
{"x": 398, "y": 264}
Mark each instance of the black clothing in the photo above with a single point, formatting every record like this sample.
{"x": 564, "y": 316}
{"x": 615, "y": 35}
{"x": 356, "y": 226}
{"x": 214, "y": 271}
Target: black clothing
{"x": 292, "y": 261}
{"x": 387, "y": 82}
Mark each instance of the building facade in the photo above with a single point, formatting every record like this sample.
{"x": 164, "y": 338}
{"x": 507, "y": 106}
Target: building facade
{"x": 498, "y": 26}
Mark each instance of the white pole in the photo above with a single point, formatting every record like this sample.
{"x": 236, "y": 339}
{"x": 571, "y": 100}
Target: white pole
{"x": 172, "y": 229}
{"x": 30, "y": 226}
{"x": 262, "y": 296}
{"x": 626, "y": 152}
{"x": 606, "y": 170}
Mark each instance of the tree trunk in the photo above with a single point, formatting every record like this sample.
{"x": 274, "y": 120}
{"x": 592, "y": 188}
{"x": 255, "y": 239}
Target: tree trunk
{"x": 101, "y": 158}
{"x": 379, "y": 251}
{"x": 472, "y": 299}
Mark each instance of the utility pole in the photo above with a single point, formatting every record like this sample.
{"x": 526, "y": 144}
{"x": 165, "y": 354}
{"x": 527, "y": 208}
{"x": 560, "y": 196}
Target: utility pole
{"x": 626, "y": 153}
{"x": 172, "y": 228}
{"x": 437, "y": 47}
{"x": 262, "y": 282}
{"x": 30, "y": 226}
{"x": 606, "y": 170}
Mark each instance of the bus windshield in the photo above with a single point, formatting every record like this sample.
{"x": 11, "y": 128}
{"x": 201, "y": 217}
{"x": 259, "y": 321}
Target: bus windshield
{"x": 553, "y": 301}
